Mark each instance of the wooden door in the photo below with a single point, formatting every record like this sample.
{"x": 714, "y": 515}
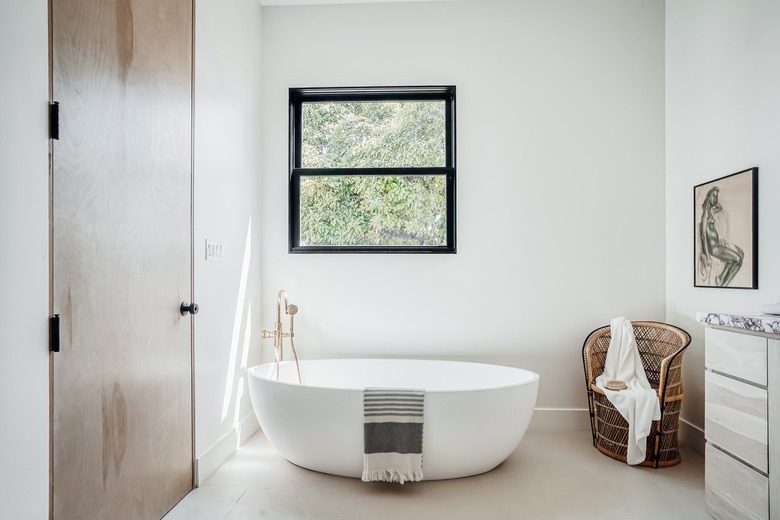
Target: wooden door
{"x": 122, "y": 442}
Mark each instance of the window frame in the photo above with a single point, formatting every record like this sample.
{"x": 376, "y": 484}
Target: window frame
{"x": 299, "y": 96}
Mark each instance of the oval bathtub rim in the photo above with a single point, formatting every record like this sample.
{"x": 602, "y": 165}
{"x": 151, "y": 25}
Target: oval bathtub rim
{"x": 534, "y": 379}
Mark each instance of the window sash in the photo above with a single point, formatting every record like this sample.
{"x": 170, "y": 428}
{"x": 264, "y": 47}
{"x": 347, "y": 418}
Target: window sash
{"x": 299, "y": 96}
{"x": 295, "y": 209}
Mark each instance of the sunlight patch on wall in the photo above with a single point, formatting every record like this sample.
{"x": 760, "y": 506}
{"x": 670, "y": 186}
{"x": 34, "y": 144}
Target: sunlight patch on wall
{"x": 239, "y": 316}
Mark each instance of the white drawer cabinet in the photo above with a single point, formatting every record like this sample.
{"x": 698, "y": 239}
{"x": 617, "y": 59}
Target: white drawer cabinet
{"x": 742, "y": 385}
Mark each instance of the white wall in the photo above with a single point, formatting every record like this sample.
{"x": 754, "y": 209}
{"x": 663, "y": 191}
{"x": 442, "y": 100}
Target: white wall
{"x": 227, "y": 146}
{"x": 560, "y": 114}
{"x": 24, "y": 264}
{"x": 722, "y": 116}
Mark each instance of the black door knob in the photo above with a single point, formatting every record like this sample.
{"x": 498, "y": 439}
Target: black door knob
{"x": 188, "y": 308}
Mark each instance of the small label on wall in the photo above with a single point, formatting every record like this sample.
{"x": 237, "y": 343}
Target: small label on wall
{"x": 213, "y": 251}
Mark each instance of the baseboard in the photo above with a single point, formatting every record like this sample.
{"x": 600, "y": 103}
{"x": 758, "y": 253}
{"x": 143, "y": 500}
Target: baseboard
{"x": 692, "y": 436}
{"x": 578, "y": 419}
{"x": 216, "y": 455}
{"x": 560, "y": 419}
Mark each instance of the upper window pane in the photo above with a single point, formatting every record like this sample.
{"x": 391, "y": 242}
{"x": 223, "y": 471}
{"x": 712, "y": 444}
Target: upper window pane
{"x": 390, "y": 134}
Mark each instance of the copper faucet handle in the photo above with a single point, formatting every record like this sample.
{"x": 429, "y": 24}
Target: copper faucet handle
{"x": 268, "y": 334}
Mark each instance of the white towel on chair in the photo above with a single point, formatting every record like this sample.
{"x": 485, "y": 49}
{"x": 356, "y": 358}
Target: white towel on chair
{"x": 638, "y": 404}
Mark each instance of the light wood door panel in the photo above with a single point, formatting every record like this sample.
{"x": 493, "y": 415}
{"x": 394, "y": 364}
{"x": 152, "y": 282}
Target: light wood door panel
{"x": 739, "y": 355}
{"x": 732, "y": 490}
{"x": 122, "y": 405}
{"x": 735, "y": 418}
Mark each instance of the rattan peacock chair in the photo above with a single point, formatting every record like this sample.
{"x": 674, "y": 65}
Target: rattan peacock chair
{"x": 661, "y": 349}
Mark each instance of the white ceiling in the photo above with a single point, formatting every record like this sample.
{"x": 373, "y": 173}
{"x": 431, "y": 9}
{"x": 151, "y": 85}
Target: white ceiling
{"x": 323, "y": 2}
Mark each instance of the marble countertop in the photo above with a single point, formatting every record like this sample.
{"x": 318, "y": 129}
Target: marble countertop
{"x": 767, "y": 323}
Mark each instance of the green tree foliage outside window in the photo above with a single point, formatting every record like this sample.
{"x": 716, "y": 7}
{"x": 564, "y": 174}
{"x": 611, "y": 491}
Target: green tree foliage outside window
{"x": 373, "y": 210}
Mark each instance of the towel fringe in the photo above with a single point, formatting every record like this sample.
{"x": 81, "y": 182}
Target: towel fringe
{"x": 389, "y": 475}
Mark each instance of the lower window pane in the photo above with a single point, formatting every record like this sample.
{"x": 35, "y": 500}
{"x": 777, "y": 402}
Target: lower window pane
{"x": 373, "y": 211}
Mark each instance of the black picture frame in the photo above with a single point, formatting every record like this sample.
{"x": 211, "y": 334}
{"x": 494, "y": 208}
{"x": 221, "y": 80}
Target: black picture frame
{"x": 725, "y": 231}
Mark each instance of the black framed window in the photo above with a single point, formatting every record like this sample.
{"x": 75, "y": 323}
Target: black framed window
{"x": 372, "y": 170}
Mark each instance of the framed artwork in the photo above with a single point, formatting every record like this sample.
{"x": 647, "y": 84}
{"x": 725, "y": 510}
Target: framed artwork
{"x": 725, "y": 231}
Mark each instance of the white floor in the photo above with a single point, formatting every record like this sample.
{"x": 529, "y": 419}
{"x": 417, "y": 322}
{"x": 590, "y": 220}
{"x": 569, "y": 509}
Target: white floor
{"x": 551, "y": 475}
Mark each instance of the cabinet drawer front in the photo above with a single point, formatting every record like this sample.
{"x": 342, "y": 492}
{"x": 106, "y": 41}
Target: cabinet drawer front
{"x": 732, "y": 490}
{"x": 735, "y": 418}
{"x": 735, "y": 354}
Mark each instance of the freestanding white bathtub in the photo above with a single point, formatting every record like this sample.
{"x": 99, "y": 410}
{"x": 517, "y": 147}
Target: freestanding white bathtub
{"x": 475, "y": 414}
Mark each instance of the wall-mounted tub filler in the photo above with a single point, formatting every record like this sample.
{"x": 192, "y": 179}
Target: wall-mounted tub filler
{"x": 278, "y": 333}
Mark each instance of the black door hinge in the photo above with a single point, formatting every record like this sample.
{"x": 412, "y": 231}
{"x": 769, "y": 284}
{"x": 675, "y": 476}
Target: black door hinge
{"x": 54, "y": 120}
{"x": 54, "y": 333}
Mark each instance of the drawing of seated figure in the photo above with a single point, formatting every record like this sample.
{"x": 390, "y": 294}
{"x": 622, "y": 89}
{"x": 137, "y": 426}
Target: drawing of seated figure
{"x": 713, "y": 245}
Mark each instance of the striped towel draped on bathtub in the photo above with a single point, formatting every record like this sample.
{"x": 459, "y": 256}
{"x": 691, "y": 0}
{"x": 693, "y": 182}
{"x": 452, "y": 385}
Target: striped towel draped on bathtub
{"x": 392, "y": 434}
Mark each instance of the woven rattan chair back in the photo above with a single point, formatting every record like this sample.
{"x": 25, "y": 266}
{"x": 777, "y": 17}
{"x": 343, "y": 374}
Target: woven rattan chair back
{"x": 661, "y": 349}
